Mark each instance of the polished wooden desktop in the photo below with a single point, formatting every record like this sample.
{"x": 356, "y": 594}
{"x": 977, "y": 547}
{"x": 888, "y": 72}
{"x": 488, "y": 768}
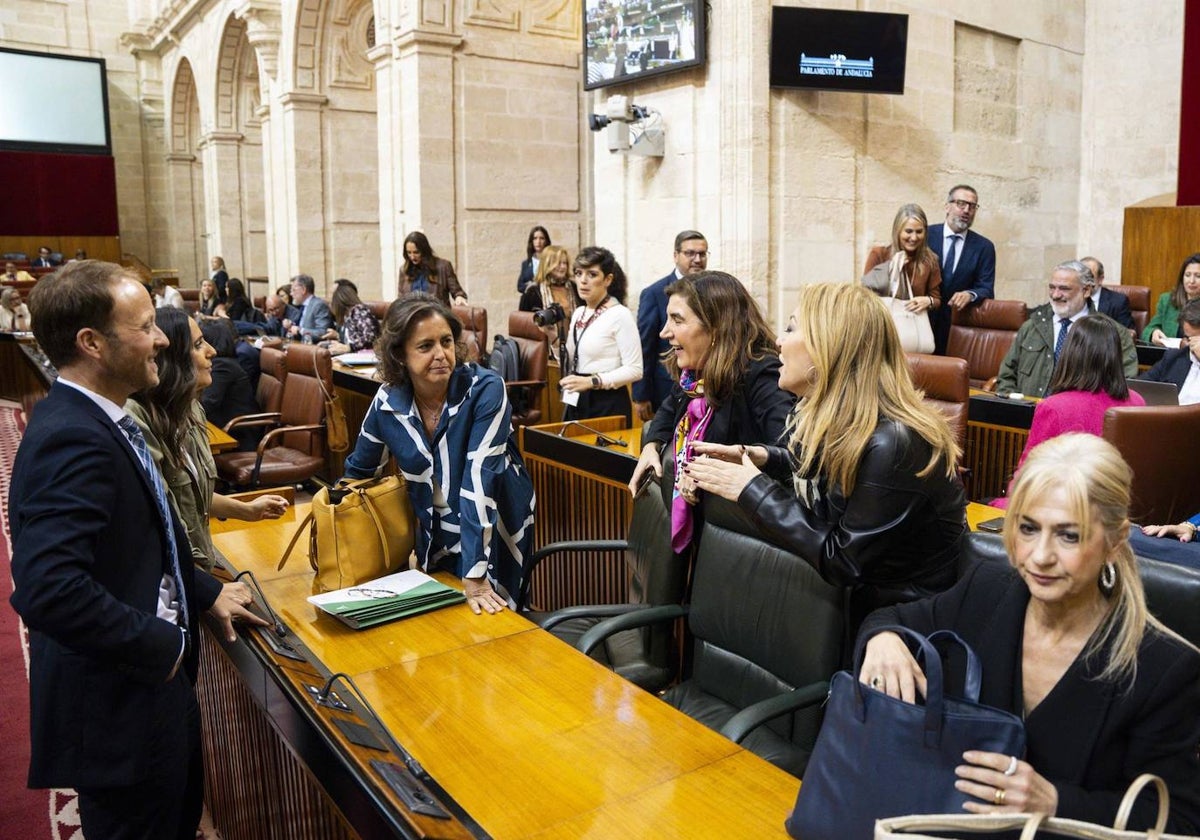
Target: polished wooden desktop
{"x": 530, "y": 737}
{"x": 219, "y": 440}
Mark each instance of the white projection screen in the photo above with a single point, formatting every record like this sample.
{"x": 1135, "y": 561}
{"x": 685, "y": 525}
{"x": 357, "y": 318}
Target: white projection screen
{"x": 53, "y": 103}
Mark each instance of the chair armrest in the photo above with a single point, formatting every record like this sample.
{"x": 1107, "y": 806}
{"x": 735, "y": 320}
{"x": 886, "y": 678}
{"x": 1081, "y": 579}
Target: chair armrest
{"x": 288, "y": 493}
{"x": 264, "y": 444}
{"x": 990, "y": 384}
{"x": 554, "y": 548}
{"x": 588, "y": 611}
{"x": 590, "y": 640}
{"x": 524, "y": 383}
{"x": 253, "y": 420}
{"x": 750, "y": 718}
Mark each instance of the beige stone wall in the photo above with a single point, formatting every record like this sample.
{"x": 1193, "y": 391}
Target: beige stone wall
{"x": 1130, "y": 132}
{"x": 94, "y": 28}
{"x": 304, "y": 150}
{"x": 995, "y": 96}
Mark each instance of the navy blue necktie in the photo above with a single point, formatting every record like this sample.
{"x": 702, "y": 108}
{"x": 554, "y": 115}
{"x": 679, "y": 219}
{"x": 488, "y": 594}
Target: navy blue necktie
{"x": 138, "y": 440}
{"x": 948, "y": 263}
{"x": 1064, "y": 324}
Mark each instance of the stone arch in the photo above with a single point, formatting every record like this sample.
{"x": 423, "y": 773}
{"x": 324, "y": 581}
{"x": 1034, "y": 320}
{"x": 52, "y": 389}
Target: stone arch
{"x": 310, "y": 25}
{"x": 234, "y": 156}
{"x": 185, "y": 111}
{"x": 229, "y": 58}
{"x": 185, "y": 178}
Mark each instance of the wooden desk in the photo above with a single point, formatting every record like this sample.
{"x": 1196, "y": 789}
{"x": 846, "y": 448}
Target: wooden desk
{"x": 219, "y": 440}
{"x": 355, "y": 388}
{"x": 572, "y": 473}
{"x": 977, "y": 513}
{"x": 531, "y": 738}
{"x": 997, "y": 429}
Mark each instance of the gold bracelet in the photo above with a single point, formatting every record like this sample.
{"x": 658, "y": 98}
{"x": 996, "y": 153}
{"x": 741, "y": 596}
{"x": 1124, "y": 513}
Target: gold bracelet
{"x": 1186, "y": 524}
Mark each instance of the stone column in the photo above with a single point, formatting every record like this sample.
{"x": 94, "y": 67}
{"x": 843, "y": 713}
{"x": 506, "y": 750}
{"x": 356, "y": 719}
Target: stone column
{"x": 221, "y": 153}
{"x": 391, "y": 177}
{"x": 424, "y": 126}
{"x": 300, "y": 221}
{"x": 183, "y": 237}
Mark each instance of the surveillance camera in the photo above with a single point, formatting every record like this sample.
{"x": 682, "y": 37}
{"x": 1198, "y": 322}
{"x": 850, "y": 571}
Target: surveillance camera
{"x": 597, "y": 122}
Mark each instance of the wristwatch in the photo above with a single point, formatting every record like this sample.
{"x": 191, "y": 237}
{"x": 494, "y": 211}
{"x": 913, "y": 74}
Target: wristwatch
{"x": 595, "y": 380}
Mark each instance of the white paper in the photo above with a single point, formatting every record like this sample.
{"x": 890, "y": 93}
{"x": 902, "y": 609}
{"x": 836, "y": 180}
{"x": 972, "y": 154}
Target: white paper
{"x": 362, "y": 357}
{"x": 1172, "y": 343}
{"x": 570, "y": 398}
{"x": 396, "y": 584}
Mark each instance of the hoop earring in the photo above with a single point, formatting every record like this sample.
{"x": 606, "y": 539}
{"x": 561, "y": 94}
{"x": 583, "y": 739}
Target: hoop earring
{"x": 1108, "y": 577}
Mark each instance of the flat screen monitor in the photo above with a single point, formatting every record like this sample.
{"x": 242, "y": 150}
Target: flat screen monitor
{"x": 625, "y": 40}
{"x": 834, "y": 49}
{"x": 53, "y": 103}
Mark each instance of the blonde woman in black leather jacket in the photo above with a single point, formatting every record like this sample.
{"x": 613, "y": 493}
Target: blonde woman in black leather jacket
{"x": 866, "y": 489}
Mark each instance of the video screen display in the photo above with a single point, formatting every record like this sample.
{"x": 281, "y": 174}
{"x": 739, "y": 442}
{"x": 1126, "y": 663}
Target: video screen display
{"x": 832, "y": 49}
{"x": 55, "y": 103}
{"x": 625, "y": 40}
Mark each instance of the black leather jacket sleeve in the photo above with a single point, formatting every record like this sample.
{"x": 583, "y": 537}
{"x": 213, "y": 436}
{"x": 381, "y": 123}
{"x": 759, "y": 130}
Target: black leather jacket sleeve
{"x": 857, "y": 540}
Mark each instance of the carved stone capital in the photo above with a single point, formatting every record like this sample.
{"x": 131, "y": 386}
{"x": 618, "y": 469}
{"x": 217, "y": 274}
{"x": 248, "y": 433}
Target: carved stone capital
{"x": 264, "y": 23}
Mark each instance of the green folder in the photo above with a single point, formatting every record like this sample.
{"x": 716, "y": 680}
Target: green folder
{"x": 387, "y": 599}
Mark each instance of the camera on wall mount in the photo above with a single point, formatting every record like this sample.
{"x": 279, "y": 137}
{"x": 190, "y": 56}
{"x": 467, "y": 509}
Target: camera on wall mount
{"x": 630, "y": 128}
{"x": 551, "y": 315}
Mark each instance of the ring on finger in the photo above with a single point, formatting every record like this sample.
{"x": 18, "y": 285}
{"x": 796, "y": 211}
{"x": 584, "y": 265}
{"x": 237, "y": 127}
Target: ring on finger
{"x": 877, "y": 681}
{"x": 998, "y": 798}
{"x": 1012, "y": 766}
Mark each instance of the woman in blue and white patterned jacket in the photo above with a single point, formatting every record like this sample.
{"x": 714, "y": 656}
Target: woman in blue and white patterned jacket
{"x": 448, "y": 424}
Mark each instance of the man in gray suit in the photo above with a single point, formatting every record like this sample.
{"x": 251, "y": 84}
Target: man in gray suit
{"x": 315, "y": 317}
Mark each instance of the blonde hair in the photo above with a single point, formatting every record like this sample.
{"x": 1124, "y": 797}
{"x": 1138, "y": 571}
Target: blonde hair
{"x": 548, "y": 260}
{"x": 1096, "y": 480}
{"x": 859, "y": 374}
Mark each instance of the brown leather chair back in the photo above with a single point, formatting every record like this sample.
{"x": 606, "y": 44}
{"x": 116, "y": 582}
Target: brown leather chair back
{"x": 1157, "y": 442}
{"x": 302, "y": 401}
{"x": 270, "y": 380}
{"x": 191, "y": 299}
{"x": 947, "y": 386}
{"x": 982, "y": 334}
{"x": 520, "y": 324}
{"x": 260, "y": 302}
{"x": 1139, "y": 304}
{"x": 379, "y": 308}
{"x": 527, "y": 398}
{"x": 475, "y": 330}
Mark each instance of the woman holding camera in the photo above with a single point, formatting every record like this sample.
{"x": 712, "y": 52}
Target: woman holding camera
{"x": 726, "y": 366}
{"x": 552, "y": 286}
{"x": 603, "y": 345}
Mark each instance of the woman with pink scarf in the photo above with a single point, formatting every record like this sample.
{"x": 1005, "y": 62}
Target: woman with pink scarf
{"x": 726, "y": 364}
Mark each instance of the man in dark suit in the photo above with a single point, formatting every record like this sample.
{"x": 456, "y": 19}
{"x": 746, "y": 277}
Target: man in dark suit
{"x": 968, "y": 261}
{"x": 1105, "y": 301}
{"x": 315, "y": 317}
{"x": 103, "y": 574}
{"x": 44, "y": 259}
{"x": 1182, "y": 365}
{"x": 279, "y": 312}
{"x": 691, "y": 256}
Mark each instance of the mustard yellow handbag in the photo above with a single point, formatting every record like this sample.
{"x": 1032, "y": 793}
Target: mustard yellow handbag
{"x": 357, "y": 531}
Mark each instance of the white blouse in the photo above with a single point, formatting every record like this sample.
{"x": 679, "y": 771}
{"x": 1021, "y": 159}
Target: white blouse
{"x": 609, "y": 346}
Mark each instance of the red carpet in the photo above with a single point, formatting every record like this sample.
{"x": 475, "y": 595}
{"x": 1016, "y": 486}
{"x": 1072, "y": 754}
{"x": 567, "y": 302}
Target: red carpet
{"x": 25, "y": 814}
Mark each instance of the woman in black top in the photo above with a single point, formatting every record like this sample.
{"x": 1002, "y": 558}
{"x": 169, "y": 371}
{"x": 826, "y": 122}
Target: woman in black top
{"x": 870, "y": 495}
{"x": 726, "y": 366}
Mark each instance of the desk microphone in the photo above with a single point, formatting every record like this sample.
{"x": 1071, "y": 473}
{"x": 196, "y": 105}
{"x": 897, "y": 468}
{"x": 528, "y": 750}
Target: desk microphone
{"x": 601, "y": 438}
{"x": 277, "y": 625}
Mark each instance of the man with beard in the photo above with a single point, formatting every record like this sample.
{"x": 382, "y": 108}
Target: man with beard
{"x": 968, "y": 261}
{"x": 1030, "y": 361}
